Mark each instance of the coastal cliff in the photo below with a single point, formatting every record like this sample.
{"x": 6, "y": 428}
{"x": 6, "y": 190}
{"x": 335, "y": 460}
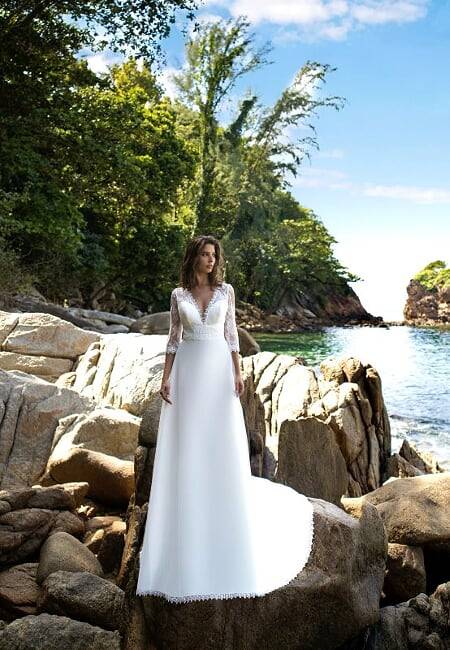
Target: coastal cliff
{"x": 428, "y": 301}
{"x": 339, "y": 306}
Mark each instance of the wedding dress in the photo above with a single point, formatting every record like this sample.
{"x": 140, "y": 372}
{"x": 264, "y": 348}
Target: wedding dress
{"x": 214, "y": 530}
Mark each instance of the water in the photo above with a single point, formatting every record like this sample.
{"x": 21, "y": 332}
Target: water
{"x": 414, "y": 366}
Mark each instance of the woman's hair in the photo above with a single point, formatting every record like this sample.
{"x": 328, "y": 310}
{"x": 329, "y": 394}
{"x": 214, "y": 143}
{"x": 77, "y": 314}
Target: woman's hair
{"x": 188, "y": 267}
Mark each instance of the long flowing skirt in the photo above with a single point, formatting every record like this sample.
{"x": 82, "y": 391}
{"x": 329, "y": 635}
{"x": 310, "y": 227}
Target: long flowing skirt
{"x": 214, "y": 530}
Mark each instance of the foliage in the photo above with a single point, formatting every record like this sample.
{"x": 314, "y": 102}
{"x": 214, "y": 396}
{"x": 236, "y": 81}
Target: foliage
{"x": 14, "y": 277}
{"x": 434, "y": 275}
{"x": 103, "y": 178}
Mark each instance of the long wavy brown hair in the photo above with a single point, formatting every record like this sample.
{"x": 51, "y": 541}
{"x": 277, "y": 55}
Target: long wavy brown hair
{"x": 189, "y": 264}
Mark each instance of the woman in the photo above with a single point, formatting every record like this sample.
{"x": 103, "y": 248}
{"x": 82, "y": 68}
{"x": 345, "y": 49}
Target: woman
{"x": 213, "y": 529}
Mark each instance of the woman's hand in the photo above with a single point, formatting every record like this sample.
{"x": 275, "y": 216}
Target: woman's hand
{"x": 165, "y": 390}
{"x": 238, "y": 385}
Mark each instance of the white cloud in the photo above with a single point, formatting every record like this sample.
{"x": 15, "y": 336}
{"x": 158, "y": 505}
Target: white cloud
{"x": 337, "y": 180}
{"x": 310, "y": 20}
{"x": 409, "y": 193}
{"x": 100, "y": 61}
{"x": 165, "y": 78}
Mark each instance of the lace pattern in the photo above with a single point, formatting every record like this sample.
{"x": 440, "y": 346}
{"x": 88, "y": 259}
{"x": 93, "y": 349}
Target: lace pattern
{"x": 222, "y": 292}
{"x": 175, "y": 327}
{"x": 230, "y": 328}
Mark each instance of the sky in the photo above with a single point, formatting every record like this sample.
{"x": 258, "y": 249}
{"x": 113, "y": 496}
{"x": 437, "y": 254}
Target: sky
{"x": 380, "y": 180}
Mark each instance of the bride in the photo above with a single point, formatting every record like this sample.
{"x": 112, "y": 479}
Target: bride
{"x": 213, "y": 530}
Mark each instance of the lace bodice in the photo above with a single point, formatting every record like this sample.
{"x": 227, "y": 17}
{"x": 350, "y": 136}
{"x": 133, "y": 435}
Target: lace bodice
{"x": 188, "y": 322}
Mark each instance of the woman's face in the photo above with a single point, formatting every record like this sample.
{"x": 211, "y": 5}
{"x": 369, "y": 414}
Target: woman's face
{"x": 206, "y": 259}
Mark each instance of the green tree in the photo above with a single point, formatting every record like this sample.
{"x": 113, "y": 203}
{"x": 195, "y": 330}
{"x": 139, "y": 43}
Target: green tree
{"x": 434, "y": 275}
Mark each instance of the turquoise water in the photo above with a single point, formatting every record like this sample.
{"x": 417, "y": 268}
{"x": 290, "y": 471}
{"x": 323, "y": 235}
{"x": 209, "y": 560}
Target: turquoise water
{"x": 414, "y": 366}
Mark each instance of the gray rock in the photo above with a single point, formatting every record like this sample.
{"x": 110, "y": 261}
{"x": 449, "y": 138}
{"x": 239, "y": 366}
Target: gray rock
{"x": 84, "y": 597}
{"x": 50, "y": 632}
{"x": 63, "y": 552}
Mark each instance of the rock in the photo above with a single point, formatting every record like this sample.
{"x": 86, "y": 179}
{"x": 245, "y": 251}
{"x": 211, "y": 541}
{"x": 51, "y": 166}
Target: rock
{"x": 426, "y": 306}
{"x": 424, "y": 461}
{"x": 18, "y": 591}
{"x": 106, "y": 316}
{"x": 110, "y": 479}
{"x": 122, "y": 370}
{"x": 111, "y": 548}
{"x": 157, "y": 323}
{"x": 340, "y": 587}
{"x": 339, "y": 305}
{"x": 47, "y": 631}
{"x": 63, "y": 552}
{"x": 106, "y": 430}
{"x": 49, "y": 368}
{"x": 348, "y": 399}
{"x": 301, "y": 440}
{"x": 97, "y": 528}
{"x": 37, "y": 305}
{"x": 30, "y": 409}
{"x": 398, "y": 467}
{"x": 46, "y": 335}
{"x": 420, "y": 622}
{"x": 352, "y": 405}
{"x": 58, "y": 496}
{"x": 82, "y": 596}
{"x": 415, "y": 510}
{"x": 117, "y": 329}
{"x": 23, "y": 531}
{"x": 405, "y": 575}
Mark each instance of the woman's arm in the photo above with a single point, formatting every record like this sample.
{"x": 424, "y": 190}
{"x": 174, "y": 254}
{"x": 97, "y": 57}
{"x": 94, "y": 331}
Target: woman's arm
{"x": 173, "y": 341}
{"x": 232, "y": 338}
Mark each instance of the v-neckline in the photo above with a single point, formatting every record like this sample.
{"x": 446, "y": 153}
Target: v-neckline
{"x": 205, "y": 312}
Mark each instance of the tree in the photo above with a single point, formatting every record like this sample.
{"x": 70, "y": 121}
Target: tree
{"x": 216, "y": 59}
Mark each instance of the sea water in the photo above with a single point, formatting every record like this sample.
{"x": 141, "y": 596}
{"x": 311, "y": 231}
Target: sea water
{"x": 414, "y": 366}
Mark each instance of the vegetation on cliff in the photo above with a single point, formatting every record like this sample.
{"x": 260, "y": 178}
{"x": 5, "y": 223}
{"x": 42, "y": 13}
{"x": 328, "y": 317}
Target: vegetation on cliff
{"x": 434, "y": 275}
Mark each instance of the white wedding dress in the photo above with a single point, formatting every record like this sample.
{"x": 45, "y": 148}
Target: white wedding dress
{"x": 214, "y": 530}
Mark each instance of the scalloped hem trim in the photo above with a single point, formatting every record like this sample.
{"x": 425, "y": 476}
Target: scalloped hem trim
{"x": 196, "y": 597}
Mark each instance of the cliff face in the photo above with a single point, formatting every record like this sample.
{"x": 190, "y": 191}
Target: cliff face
{"x": 339, "y": 307}
{"x": 426, "y": 306}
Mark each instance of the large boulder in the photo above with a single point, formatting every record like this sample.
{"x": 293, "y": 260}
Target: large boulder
{"x": 50, "y": 631}
{"x": 106, "y": 430}
{"x": 18, "y": 591}
{"x": 121, "y": 370}
{"x": 332, "y": 599}
{"x": 64, "y": 552}
{"x": 30, "y": 410}
{"x": 414, "y": 510}
{"x": 83, "y": 596}
{"x": 41, "y": 344}
{"x": 347, "y": 398}
{"x": 111, "y": 480}
{"x": 301, "y": 443}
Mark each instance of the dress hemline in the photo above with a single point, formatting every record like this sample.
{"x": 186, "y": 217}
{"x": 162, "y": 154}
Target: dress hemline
{"x": 199, "y": 597}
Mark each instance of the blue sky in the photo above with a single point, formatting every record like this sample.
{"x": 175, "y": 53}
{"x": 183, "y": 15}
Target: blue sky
{"x": 380, "y": 181}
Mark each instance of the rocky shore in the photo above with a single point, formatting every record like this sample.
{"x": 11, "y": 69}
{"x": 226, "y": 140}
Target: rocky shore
{"x": 79, "y": 411}
{"x": 295, "y": 312}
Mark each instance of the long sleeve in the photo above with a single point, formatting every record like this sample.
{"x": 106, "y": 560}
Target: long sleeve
{"x": 176, "y": 327}
{"x": 230, "y": 328}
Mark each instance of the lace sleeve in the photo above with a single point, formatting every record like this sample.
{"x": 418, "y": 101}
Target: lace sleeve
{"x": 176, "y": 326}
{"x": 230, "y": 328}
